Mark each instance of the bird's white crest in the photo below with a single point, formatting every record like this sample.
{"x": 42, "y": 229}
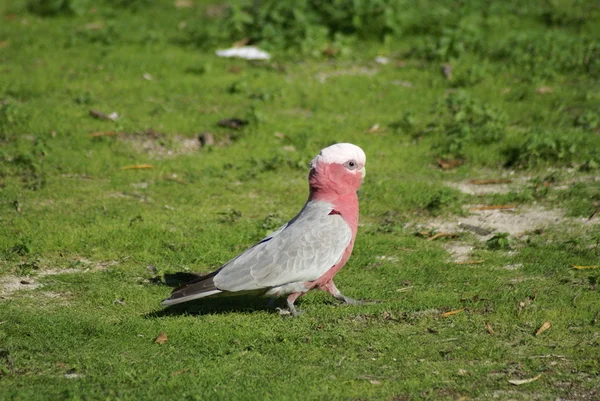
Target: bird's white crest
{"x": 340, "y": 153}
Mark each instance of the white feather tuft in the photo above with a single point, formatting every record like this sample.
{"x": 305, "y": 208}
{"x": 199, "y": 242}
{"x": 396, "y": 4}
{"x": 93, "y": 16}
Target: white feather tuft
{"x": 340, "y": 153}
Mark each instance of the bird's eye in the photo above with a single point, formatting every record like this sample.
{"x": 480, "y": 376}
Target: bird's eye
{"x": 350, "y": 165}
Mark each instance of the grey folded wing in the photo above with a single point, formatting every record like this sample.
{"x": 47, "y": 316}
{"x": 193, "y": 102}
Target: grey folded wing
{"x": 302, "y": 250}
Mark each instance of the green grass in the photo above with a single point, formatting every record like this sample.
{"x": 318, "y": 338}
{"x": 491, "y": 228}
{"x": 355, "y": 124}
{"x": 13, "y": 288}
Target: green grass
{"x": 66, "y": 203}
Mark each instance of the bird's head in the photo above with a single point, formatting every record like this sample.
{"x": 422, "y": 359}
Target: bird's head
{"x": 338, "y": 169}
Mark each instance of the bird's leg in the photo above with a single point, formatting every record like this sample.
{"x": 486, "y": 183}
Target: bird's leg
{"x": 290, "y": 301}
{"x": 332, "y": 289}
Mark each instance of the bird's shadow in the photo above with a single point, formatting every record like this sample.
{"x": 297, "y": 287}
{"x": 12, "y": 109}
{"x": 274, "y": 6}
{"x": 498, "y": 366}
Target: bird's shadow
{"x": 212, "y": 305}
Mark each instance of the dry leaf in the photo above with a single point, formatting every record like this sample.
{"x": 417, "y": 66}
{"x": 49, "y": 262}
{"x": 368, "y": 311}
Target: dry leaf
{"x": 489, "y": 182}
{"x": 137, "y": 167}
{"x": 594, "y": 214}
{"x": 114, "y": 116}
{"x": 489, "y": 328}
{"x": 186, "y": 370}
{"x": 447, "y": 164}
{"x": 94, "y": 26}
{"x": 242, "y": 42}
{"x": 447, "y": 71}
{"x": 374, "y": 128}
{"x": 161, "y": 339}
{"x": 147, "y": 76}
{"x": 442, "y": 235}
{"x": 452, "y": 312}
{"x": 4, "y": 44}
{"x": 543, "y": 90}
{"x": 329, "y": 52}
{"x": 470, "y": 262}
{"x": 578, "y": 267}
{"x": 524, "y": 381}
{"x": 101, "y": 133}
{"x": 524, "y": 303}
{"x": 544, "y": 327}
{"x": 375, "y": 382}
{"x": 494, "y": 207}
{"x": 184, "y": 4}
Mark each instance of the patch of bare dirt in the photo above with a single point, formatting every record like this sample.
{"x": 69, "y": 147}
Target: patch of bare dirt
{"x": 12, "y": 284}
{"x": 509, "y": 182}
{"x": 468, "y": 187}
{"x": 516, "y": 222}
{"x": 484, "y": 224}
{"x": 159, "y": 145}
{"x": 459, "y": 251}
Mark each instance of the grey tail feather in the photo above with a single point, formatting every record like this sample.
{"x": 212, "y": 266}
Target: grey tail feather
{"x": 198, "y": 288}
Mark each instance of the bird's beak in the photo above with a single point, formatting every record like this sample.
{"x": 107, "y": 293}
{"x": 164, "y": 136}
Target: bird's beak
{"x": 363, "y": 172}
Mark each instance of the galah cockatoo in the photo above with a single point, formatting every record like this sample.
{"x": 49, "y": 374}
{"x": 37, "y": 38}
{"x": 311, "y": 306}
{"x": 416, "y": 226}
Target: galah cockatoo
{"x": 306, "y": 252}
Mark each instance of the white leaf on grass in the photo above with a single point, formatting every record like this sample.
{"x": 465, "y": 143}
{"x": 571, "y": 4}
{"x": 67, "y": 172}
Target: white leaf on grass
{"x": 245, "y": 52}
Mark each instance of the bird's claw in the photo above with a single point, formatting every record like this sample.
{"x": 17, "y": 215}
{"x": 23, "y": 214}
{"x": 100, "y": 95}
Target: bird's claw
{"x": 293, "y": 312}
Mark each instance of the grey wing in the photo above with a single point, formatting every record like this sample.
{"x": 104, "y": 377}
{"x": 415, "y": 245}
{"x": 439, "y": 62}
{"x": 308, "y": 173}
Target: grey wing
{"x": 302, "y": 250}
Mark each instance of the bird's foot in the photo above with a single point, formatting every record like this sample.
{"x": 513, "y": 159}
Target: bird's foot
{"x": 282, "y": 312}
{"x": 292, "y": 309}
{"x": 289, "y": 312}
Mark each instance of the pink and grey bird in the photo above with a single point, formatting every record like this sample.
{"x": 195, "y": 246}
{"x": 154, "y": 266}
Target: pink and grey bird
{"x": 304, "y": 253}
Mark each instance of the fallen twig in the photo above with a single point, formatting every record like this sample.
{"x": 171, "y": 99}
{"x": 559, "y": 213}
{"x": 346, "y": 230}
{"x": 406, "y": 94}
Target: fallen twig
{"x": 103, "y": 116}
{"x": 101, "y": 133}
{"x": 137, "y": 167}
{"x": 442, "y": 235}
{"x": 452, "y": 312}
{"x": 579, "y": 267}
{"x": 470, "y": 262}
{"x": 186, "y": 370}
{"x": 524, "y": 381}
